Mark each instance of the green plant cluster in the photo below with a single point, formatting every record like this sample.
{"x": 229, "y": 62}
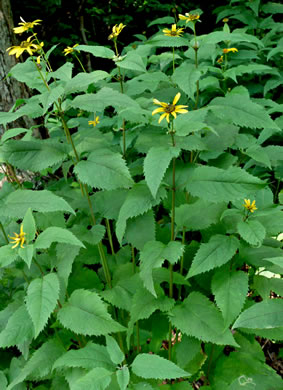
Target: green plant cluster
{"x": 141, "y": 237}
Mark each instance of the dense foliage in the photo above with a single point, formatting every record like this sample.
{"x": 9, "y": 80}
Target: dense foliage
{"x": 141, "y": 243}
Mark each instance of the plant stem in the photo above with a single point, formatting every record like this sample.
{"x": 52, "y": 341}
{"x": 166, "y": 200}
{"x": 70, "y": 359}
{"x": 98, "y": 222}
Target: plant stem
{"x": 173, "y": 50}
{"x": 182, "y": 262}
{"x": 108, "y": 228}
{"x": 196, "y": 66}
{"x": 133, "y": 259}
{"x": 80, "y": 63}
{"x": 4, "y": 233}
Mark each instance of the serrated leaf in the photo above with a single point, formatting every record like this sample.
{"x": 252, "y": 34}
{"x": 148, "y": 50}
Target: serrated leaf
{"x": 140, "y": 230}
{"x": 34, "y": 155}
{"x": 105, "y": 170}
{"x": 155, "y": 164}
{"x": 10, "y": 133}
{"x": 123, "y": 377}
{"x": 96, "y": 379}
{"x": 251, "y": 231}
{"x": 197, "y": 316}
{"x": 49, "y": 97}
{"x": 165, "y": 41}
{"x": 155, "y": 367}
{"x": 56, "y": 234}
{"x": 41, "y": 300}
{"x": 86, "y": 314}
{"x": 114, "y": 350}
{"x": 18, "y": 330}
{"x": 18, "y": 202}
{"x": 230, "y": 289}
{"x": 63, "y": 73}
{"x": 97, "y": 51}
{"x": 259, "y": 154}
{"x": 29, "y": 225}
{"x": 267, "y": 314}
{"x": 218, "y": 251}
{"x": 108, "y": 203}
{"x": 153, "y": 255}
{"x": 91, "y": 356}
{"x": 3, "y": 381}
{"x": 82, "y": 80}
{"x": 26, "y": 254}
{"x": 249, "y": 68}
{"x": 7, "y": 255}
{"x": 132, "y": 61}
{"x": 186, "y": 76}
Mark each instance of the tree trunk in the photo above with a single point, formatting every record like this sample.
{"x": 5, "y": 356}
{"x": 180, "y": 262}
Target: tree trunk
{"x": 10, "y": 89}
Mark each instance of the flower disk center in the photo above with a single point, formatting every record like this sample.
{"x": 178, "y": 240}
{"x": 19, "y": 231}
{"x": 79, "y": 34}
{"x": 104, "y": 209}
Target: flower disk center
{"x": 170, "y": 108}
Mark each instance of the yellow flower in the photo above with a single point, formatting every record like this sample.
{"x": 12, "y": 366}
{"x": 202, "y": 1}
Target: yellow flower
{"x": 250, "y": 206}
{"x": 27, "y": 45}
{"x": 18, "y": 238}
{"x": 116, "y": 31}
{"x": 25, "y": 26}
{"x": 232, "y": 49}
{"x": 220, "y": 60}
{"x": 189, "y": 17}
{"x": 70, "y": 49}
{"x": 168, "y": 108}
{"x": 174, "y": 32}
{"x": 94, "y": 122}
{"x": 225, "y": 20}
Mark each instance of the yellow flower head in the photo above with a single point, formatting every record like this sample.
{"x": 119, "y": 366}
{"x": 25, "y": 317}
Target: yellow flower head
{"x": 232, "y": 49}
{"x": 168, "y": 108}
{"x": 25, "y": 26}
{"x": 220, "y": 60}
{"x": 174, "y": 32}
{"x": 250, "y": 206}
{"x": 189, "y": 17}
{"x": 27, "y": 45}
{"x": 225, "y": 20}
{"x": 94, "y": 122}
{"x": 116, "y": 31}
{"x": 70, "y": 49}
{"x": 18, "y": 238}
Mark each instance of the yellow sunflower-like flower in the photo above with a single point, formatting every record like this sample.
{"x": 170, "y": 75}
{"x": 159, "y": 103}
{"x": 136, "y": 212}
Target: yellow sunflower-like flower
{"x": 169, "y": 108}
{"x": 250, "y": 206}
{"x": 231, "y": 49}
{"x": 27, "y": 45}
{"x": 116, "y": 30}
{"x": 94, "y": 122}
{"x": 70, "y": 49}
{"x": 189, "y": 17}
{"x": 18, "y": 238}
{"x": 25, "y": 26}
{"x": 225, "y": 20}
{"x": 174, "y": 32}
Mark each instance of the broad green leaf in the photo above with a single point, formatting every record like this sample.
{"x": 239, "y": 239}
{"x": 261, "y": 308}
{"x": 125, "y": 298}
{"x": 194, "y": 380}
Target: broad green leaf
{"x": 18, "y": 330}
{"x": 155, "y": 164}
{"x": 230, "y": 289}
{"x": 63, "y": 73}
{"x": 186, "y": 124}
{"x": 97, "y": 51}
{"x": 164, "y": 41}
{"x": 249, "y": 68}
{"x": 56, "y": 234}
{"x": 267, "y": 314}
{"x": 153, "y": 254}
{"x": 164, "y": 20}
{"x": 259, "y": 154}
{"x": 186, "y": 76}
{"x": 10, "y": 133}
{"x": 132, "y": 61}
{"x": 220, "y": 36}
{"x": 198, "y": 317}
{"x": 7, "y": 255}
{"x": 91, "y": 356}
{"x": 34, "y": 155}
{"x": 41, "y": 300}
{"x": 272, "y": 8}
{"x": 138, "y": 201}
{"x": 264, "y": 285}
{"x": 3, "y": 381}
{"x": 40, "y": 364}
{"x": 123, "y": 377}
{"x": 146, "y": 81}
{"x": 189, "y": 354}
{"x": 251, "y": 231}
{"x": 140, "y": 230}
{"x": 218, "y": 251}
{"x": 114, "y": 350}
{"x": 18, "y": 202}
{"x": 29, "y": 225}
{"x": 82, "y": 80}
{"x": 241, "y": 111}
{"x": 105, "y": 170}
{"x": 96, "y": 379}
{"x": 49, "y": 97}
{"x": 108, "y": 203}
{"x": 26, "y": 254}
{"x": 219, "y": 185}
{"x": 86, "y": 314}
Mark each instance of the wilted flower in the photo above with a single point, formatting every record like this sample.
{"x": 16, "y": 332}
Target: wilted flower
{"x": 18, "y": 238}
{"x": 220, "y": 60}
{"x": 250, "y": 206}
{"x": 189, "y": 17}
{"x": 116, "y": 30}
{"x": 94, "y": 122}
{"x": 70, "y": 49}
{"x": 25, "y": 26}
{"x": 27, "y": 45}
{"x": 174, "y": 32}
{"x": 168, "y": 108}
{"x": 232, "y": 49}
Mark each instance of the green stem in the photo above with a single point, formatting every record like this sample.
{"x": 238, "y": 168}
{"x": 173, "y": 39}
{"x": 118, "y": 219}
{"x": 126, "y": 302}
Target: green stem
{"x": 182, "y": 262}
{"x": 4, "y": 233}
{"x": 108, "y": 228}
{"x": 138, "y": 337}
{"x": 196, "y": 66}
{"x": 173, "y": 50}
{"x": 133, "y": 259}
{"x": 80, "y": 63}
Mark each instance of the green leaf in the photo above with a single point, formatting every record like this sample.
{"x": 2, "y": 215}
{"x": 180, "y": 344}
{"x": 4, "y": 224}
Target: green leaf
{"x": 164, "y": 41}
{"x": 198, "y": 317}
{"x": 249, "y": 68}
{"x": 34, "y": 155}
{"x": 114, "y": 350}
{"x": 82, "y": 80}
{"x": 218, "y": 251}
{"x": 3, "y": 381}
{"x": 155, "y": 164}
{"x": 18, "y": 202}
{"x": 259, "y": 154}
{"x": 97, "y": 51}
{"x": 220, "y": 36}
{"x": 186, "y": 76}
{"x": 10, "y": 133}
{"x": 132, "y": 61}
{"x": 26, "y": 254}
{"x": 56, "y": 234}
{"x": 140, "y": 230}
{"x": 96, "y": 379}
{"x": 105, "y": 170}
{"x": 18, "y": 330}
{"x": 7, "y": 255}
{"x": 86, "y": 314}
{"x": 123, "y": 377}
{"x": 272, "y": 8}
{"x": 91, "y": 356}
{"x": 251, "y": 231}
{"x": 29, "y": 225}
{"x": 63, "y": 73}
{"x": 153, "y": 366}
{"x": 219, "y": 185}
{"x": 267, "y": 314}
{"x": 49, "y": 97}
{"x": 108, "y": 203}
{"x": 230, "y": 289}
{"x": 153, "y": 255}
{"x": 41, "y": 300}
{"x": 241, "y": 111}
